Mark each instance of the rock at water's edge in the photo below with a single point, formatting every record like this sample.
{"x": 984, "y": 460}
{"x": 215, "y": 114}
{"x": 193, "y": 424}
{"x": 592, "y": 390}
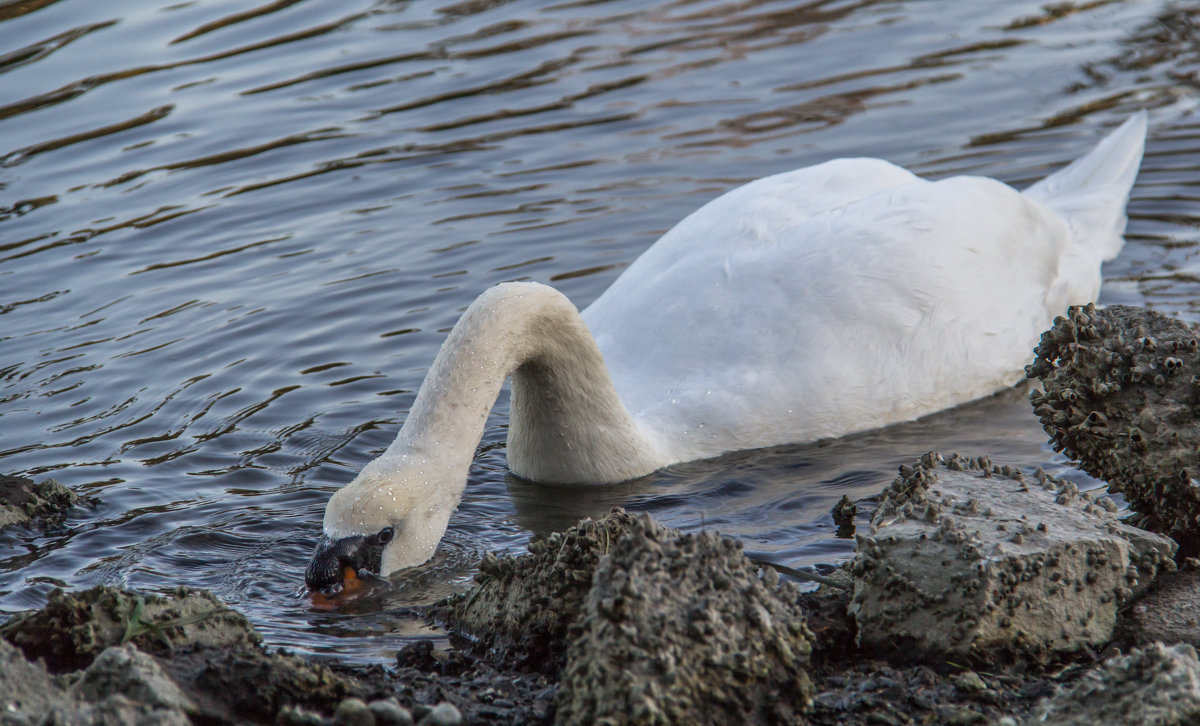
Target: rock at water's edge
{"x": 74, "y": 627}
{"x": 682, "y": 629}
{"x": 29, "y": 692}
{"x": 975, "y": 561}
{"x": 212, "y": 671}
{"x": 128, "y": 673}
{"x": 121, "y": 686}
{"x": 24, "y": 502}
{"x": 1122, "y": 397}
{"x": 522, "y": 609}
{"x": 1153, "y": 685}
{"x": 254, "y": 685}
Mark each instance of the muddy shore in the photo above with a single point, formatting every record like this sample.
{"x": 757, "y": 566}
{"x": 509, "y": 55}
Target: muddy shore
{"x": 979, "y": 594}
{"x": 560, "y": 636}
{"x": 104, "y": 656}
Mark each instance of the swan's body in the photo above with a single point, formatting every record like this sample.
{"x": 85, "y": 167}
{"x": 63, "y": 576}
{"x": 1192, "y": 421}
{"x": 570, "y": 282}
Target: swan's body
{"x": 809, "y": 304}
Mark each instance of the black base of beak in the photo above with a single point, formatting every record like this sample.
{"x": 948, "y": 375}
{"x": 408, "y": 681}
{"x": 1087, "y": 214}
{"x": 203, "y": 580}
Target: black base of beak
{"x": 362, "y": 554}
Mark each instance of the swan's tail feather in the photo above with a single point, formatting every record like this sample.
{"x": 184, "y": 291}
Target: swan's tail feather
{"x": 1092, "y": 191}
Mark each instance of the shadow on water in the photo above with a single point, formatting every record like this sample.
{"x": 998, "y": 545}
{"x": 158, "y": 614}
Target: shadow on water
{"x": 231, "y": 241}
{"x": 778, "y": 501}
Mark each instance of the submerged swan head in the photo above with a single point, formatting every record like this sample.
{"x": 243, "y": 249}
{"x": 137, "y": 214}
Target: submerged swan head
{"x": 391, "y": 516}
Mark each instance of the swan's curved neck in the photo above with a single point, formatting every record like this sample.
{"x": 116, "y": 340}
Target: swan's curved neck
{"x": 567, "y": 422}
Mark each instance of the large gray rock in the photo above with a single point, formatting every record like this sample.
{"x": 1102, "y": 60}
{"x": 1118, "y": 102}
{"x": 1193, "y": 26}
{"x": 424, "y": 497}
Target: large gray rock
{"x": 122, "y": 686}
{"x": 1154, "y": 685}
{"x": 75, "y": 627}
{"x": 972, "y": 560}
{"x": 682, "y": 629}
{"x": 28, "y": 693}
{"x": 210, "y": 667}
{"x": 522, "y": 608}
{"x": 128, "y": 672}
{"x": 1122, "y": 397}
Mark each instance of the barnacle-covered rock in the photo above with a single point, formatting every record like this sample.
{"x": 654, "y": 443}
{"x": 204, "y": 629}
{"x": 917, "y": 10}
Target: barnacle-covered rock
{"x": 1121, "y": 387}
{"x": 682, "y": 629}
{"x": 45, "y": 503}
{"x": 522, "y": 608}
{"x": 969, "y": 559}
{"x": 1153, "y": 685}
{"x": 184, "y": 657}
{"x": 74, "y": 627}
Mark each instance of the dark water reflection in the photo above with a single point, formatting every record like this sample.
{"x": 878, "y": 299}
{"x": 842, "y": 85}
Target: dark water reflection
{"x": 231, "y": 239}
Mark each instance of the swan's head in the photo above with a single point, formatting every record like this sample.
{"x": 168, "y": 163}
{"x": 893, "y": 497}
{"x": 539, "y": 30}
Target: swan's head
{"x": 391, "y": 516}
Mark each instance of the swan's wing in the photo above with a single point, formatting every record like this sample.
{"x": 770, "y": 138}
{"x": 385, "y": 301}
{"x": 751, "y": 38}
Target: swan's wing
{"x": 779, "y": 327}
{"x": 764, "y": 210}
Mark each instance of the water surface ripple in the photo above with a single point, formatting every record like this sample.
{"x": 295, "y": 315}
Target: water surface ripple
{"x": 232, "y": 238}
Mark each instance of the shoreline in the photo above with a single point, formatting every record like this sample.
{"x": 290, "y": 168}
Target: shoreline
{"x": 190, "y": 659}
{"x": 978, "y": 594}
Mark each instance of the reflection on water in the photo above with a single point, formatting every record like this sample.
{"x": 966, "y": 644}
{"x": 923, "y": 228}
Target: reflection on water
{"x": 231, "y": 240}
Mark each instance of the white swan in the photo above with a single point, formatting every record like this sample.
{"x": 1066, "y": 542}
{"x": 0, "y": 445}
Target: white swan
{"x": 814, "y": 303}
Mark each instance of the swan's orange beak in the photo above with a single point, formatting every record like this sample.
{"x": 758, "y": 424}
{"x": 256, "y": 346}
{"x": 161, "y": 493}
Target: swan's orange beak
{"x": 343, "y": 570}
{"x": 350, "y": 588}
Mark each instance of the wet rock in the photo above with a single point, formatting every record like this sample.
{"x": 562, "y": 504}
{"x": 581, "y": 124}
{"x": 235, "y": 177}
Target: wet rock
{"x": 353, "y": 712}
{"x": 254, "y": 685}
{"x": 45, "y": 503}
{"x": 30, "y": 693}
{"x": 1153, "y": 685}
{"x": 128, "y": 672}
{"x": 118, "y": 710}
{"x": 74, "y": 627}
{"x": 844, "y": 513}
{"x": 481, "y": 692}
{"x": 389, "y": 712}
{"x": 421, "y": 710}
{"x": 867, "y": 692}
{"x": 1122, "y": 397}
{"x": 972, "y": 560}
{"x": 970, "y": 682}
{"x": 1170, "y": 613}
{"x": 210, "y": 668}
{"x": 122, "y": 686}
{"x": 521, "y": 609}
{"x": 299, "y": 716}
{"x": 681, "y": 629}
{"x": 443, "y": 714}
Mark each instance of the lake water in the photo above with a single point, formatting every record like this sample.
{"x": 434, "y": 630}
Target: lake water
{"x": 232, "y": 237}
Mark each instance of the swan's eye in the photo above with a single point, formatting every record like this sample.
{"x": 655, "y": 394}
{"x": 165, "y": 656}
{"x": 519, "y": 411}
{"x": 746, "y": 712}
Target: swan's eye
{"x": 385, "y": 535}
